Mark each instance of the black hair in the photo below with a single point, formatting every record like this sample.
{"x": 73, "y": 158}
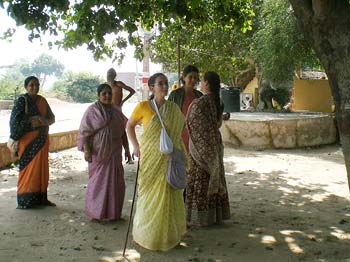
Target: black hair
{"x": 214, "y": 85}
{"x": 152, "y": 81}
{"x": 103, "y": 86}
{"x": 188, "y": 69}
{"x": 28, "y": 79}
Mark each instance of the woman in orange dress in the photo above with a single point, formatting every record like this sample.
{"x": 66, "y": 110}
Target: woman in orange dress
{"x": 29, "y": 125}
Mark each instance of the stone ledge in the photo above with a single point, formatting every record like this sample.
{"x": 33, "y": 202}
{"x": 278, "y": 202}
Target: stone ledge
{"x": 6, "y": 104}
{"x": 279, "y": 132}
{"x": 58, "y": 141}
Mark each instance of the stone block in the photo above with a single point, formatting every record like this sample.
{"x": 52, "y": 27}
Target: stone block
{"x": 283, "y": 133}
{"x": 316, "y": 131}
{"x": 250, "y": 134}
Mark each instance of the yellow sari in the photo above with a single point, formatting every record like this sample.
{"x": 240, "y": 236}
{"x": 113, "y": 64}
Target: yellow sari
{"x": 159, "y": 220}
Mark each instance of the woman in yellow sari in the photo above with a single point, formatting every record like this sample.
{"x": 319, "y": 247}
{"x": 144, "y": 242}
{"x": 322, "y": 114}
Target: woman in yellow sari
{"x": 159, "y": 220}
{"x": 29, "y": 127}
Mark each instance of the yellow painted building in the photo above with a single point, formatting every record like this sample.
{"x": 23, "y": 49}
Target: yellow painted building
{"x": 312, "y": 95}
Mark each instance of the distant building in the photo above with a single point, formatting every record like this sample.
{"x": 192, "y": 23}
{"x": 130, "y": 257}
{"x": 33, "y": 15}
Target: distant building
{"x": 130, "y": 79}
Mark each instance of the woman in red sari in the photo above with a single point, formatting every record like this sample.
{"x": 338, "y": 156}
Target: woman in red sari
{"x": 186, "y": 94}
{"x": 29, "y": 126}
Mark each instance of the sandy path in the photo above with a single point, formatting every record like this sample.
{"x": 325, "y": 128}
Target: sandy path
{"x": 290, "y": 205}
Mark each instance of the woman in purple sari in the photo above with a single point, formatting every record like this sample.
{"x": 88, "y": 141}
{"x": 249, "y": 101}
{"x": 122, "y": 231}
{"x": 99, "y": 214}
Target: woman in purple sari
{"x": 101, "y": 136}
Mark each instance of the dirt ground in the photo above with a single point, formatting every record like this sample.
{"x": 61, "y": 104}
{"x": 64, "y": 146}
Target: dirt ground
{"x": 287, "y": 205}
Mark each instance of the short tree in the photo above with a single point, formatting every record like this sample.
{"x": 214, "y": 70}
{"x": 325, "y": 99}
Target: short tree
{"x": 42, "y": 67}
{"x": 78, "y": 87}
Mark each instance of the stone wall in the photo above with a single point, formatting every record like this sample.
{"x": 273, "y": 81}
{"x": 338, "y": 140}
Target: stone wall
{"x": 6, "y": 104}
{"x": 63, "y": 140}
{"x": 279, "y": 133}
{"x": 58, "y": 141}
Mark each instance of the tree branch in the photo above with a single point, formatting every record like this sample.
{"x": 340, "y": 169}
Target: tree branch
{"x": 323, "y": 8}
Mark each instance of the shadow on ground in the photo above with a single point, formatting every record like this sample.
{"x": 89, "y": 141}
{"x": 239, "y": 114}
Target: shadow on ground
{"x": 276, "y": 216}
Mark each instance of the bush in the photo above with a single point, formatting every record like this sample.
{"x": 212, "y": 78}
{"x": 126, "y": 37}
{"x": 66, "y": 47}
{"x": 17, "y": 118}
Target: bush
{"x": 81, "y": 87}
{"x": 83, "y": 90}
{"x": 11, "y": 87}
{"x": 281, "y": 96}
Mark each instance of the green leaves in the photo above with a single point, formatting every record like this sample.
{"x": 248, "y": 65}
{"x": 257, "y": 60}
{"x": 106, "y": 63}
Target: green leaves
{"x": 46, "y": 65}
{"x": 79, "y": 87}
{"x": 91, "y": 22}
{"x": 278, "y": 45}
{"x": 209, "y": 47}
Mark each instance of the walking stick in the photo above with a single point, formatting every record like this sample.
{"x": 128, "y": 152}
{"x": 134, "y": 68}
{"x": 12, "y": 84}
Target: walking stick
{"x": 132, "y": 207}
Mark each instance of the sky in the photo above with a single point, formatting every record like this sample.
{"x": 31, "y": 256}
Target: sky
{"x": 77, "y": 60}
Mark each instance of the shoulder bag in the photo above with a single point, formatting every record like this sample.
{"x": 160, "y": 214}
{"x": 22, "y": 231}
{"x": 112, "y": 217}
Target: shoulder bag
{"x": 176, "y": 172}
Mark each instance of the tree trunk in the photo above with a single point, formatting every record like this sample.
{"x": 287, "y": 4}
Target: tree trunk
{"x": 326, "y": 23}
{"x": 43, "y": 81}
{"x": 261, "y": 103}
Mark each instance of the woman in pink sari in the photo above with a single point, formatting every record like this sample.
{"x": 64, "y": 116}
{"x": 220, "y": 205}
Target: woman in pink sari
{"x": 101, "y": 135}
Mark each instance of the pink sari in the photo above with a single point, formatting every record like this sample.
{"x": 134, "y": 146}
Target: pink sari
{"x": 106, "y": 186}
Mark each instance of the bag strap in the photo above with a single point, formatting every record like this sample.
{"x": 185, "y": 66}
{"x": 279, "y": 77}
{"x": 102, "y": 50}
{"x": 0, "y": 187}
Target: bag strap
{"x": 155, "y": 108}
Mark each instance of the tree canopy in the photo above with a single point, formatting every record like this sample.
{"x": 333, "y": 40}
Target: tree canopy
{"x": 232, "y": 35}
{"x": 279, "y": 46}
{"x": 91, "y": 22}
{"x": 11, "y": 83}
{"x": 207, "y": 48}
{"x": 274, "y": 42}
{"x": 42, "y": 67}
